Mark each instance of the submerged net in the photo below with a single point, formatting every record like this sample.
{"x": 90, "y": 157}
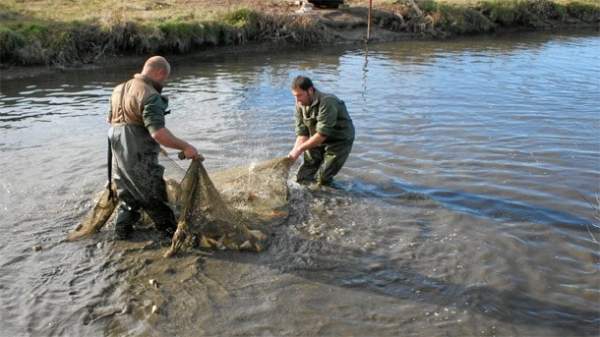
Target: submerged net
{"x": 234, "y": 210}
{"x": 96, "y": 218}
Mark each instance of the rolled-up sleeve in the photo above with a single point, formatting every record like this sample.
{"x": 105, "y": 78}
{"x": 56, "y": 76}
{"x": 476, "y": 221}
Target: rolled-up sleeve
{"x": 301, "y": 129}
{"x": 154, "y": 113}
{"x": 327, "y": 117}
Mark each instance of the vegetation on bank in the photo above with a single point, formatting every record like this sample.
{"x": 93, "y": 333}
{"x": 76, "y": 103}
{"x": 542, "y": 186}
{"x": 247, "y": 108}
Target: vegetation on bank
{"x": 75, "y": 31}
{"x": 31, "y": 41}
{"x": 480, "y": 16}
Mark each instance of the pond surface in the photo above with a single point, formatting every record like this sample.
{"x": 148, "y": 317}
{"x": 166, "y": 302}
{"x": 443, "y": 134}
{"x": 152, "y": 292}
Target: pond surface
{"x": 468, "y": 207}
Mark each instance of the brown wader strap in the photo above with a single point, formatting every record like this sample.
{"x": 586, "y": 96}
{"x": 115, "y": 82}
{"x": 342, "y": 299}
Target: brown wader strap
{"x": 109, "y": 153}
{"x": 120, "y": 108}
{"x": 109, "y": 166}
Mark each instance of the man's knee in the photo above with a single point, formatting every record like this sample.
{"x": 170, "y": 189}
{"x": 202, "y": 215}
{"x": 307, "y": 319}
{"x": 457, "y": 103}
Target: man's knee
{"x": 332, "y": 165}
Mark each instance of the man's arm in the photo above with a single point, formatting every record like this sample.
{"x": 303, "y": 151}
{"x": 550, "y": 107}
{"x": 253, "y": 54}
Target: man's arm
{"x": 299, "y": 128}
{"x": 301, "y": 133}
{"x": 164, "y": 137}
{"x": 154, "y": 121}
{"x": 325, "y": 123}
{"x": 308, "y": 143}
{"x": 300, "y": 140}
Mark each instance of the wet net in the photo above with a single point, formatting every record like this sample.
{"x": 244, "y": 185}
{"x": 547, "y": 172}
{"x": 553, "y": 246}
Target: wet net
{"x": 105, "y": 205}
{"x": 234, "y": 209}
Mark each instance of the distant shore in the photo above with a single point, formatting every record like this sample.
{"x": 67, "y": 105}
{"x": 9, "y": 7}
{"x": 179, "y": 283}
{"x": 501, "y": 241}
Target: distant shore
{"x": 45, "y": 35}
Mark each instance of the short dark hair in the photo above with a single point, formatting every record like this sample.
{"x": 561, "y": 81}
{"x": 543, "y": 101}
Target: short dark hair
{"x": 302, "y": 82}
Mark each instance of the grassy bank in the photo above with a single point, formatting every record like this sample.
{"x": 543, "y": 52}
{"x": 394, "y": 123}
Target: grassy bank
{"x": 32, "y": 38}
{"x": 471, "y": 16}
{"x": 64, "y": 32}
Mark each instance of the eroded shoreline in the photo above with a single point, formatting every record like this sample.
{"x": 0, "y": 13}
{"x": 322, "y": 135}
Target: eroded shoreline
{"x": 29, "y": 46}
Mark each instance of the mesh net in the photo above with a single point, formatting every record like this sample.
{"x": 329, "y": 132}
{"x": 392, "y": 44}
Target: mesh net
{"x": 106, "y": 202}
{"x": 234, "y": 210}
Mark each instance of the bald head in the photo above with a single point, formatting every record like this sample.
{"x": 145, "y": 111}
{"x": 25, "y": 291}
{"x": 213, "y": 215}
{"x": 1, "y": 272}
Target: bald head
{"x": 157, "y": 68}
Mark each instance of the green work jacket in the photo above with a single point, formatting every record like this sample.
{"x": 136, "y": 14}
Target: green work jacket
{"x": 326, "y": 115}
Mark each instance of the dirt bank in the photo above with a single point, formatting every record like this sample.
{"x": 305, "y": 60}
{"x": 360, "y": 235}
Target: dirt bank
{"x": 33, "y": 41}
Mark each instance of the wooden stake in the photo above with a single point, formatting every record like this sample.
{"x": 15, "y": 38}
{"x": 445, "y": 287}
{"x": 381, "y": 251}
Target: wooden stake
{"x": 369, "y": 21}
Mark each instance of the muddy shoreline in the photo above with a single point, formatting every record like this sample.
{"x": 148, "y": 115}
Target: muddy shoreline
{"x": 117, "y": 61}
{"x": 13, "y": 72}
{"x": 260, "y": 33}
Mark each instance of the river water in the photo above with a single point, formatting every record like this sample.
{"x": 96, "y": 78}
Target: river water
{"x": 468, "y": 207}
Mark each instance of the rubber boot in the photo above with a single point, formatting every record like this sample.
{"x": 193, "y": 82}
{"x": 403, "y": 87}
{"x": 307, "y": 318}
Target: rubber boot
{"x": 126, "y": 217}
{"x": 163, "y": 217}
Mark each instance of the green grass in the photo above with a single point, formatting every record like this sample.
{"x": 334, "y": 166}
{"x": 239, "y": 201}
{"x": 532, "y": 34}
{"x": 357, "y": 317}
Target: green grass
{"x": 476, "y": 16}
{"x": 41, "y": 41}
{"x": 81, "y": 31}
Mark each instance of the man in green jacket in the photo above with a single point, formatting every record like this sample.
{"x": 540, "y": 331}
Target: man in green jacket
{"x": 324, "y": 133}
{"x": 137, "y": 118}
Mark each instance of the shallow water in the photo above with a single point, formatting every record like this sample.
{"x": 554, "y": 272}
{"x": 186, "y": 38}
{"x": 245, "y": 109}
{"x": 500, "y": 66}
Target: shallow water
{"x": 468, "y": 206}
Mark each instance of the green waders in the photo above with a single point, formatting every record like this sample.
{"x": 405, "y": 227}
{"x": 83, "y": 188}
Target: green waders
{"x": 139, "y": 179}
{"x": 324, "y": 162}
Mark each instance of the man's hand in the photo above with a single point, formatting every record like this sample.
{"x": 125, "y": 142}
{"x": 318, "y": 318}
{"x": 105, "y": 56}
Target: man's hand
{"x": 304, "y": 143}
{"x": 190, "y": 152}
{"x": 295, "y": 153}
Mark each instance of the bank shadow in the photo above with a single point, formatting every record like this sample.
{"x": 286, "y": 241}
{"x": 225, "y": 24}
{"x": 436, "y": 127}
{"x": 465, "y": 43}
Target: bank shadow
{"x": 331, "y": 264}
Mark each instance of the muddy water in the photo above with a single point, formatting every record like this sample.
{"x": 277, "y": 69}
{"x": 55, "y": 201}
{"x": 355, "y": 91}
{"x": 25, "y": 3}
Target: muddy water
{"x": 467, "y": 208}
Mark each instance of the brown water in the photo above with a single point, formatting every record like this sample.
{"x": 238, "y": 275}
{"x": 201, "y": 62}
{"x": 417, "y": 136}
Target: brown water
{"x": 468, "y": 206}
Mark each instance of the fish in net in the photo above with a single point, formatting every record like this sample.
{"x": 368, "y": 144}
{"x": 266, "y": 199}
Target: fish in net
{"x": 234, "y": 209}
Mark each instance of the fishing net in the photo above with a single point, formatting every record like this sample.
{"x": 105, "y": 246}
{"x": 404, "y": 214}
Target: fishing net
{"x": 238, "y": 214}
{"x": 106, "y": 202}
{"x": 234, "y": 210}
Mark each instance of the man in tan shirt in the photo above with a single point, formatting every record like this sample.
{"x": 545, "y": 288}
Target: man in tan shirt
{"x": 137, "y": 118}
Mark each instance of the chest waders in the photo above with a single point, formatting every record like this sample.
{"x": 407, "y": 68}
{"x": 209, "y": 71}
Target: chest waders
{"x": 138, "y": 178}
{"x": 322, "y": 163}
